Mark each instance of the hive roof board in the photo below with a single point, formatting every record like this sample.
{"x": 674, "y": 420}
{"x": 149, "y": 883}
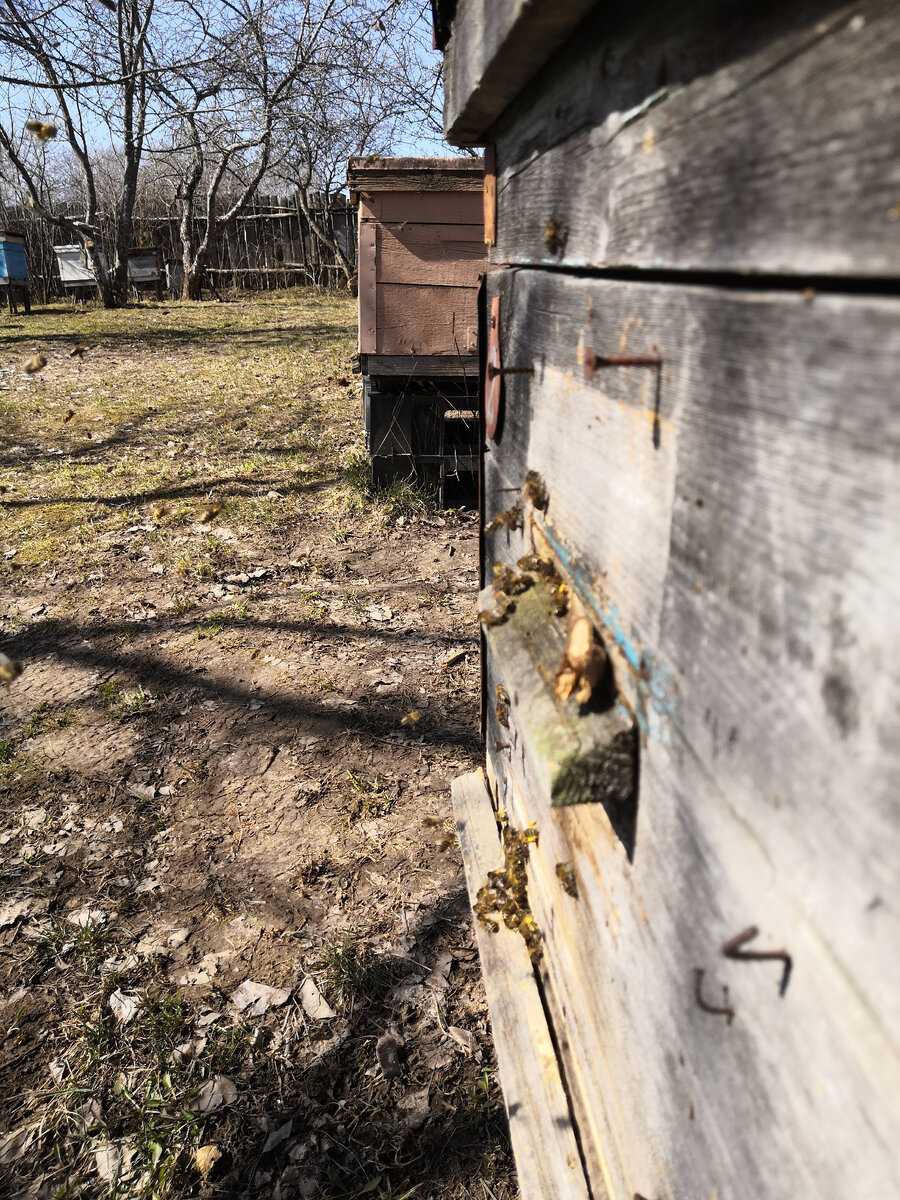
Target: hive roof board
{"x": 376, "y": 174}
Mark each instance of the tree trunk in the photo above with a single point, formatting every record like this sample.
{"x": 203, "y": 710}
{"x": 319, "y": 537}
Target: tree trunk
{"x": 105, "y": 285}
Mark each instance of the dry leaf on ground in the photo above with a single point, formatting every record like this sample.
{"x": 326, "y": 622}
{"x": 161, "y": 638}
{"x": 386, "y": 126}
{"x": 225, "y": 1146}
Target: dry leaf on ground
{"x": 215, "y": 1092}
{"x": 257, "y": 998}
{"x": 125, "y": 1005}
{"x": 314, "y": 1003}
{"x": 206, "y": 1158}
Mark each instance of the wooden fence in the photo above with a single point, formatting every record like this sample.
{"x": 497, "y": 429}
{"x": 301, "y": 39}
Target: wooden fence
{"x": 270, "y": 246}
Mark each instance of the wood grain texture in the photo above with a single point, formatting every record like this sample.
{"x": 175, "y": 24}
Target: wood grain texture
{"x": 424, "y": 319}
{"x": 730, "y": 516}
{"x": 375, "y": 174}
{"x": 540, "y": 1124}
{"x": 711, "y": 138}
{"x": 424, "y": 365}
{"x": 495, "y": 47}
{"x": 580, "y": 755}
{"x": 367, "y": 340}
{"x": 443, "y": 255}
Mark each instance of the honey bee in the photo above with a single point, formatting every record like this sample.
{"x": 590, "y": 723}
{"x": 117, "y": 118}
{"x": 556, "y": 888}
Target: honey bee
{"x": 68, "y": 417}
{"x": 446, "y": 843}
{"x": 505, "y": 891}
{"x": 511, "y": 518}
{"x": 508, "y": 582}
{"x": 411, "y": 720}
{"x": 41, "y": 131}
{"x": 558, "y": 599}
{"x": 566, "y": 877}
{"x": 161, "y": 511}
{"x": 10, "y": 669}
{"x": 211, "y": 511}
{"x": 503, "y": 706}
{"x": 78, "y": 351}
{"x": 432, "y": 822}
{"x": 535, "y": 490}
{"x": 496, "y": 616}
{"x": 537, "y": 566}
{"x": 555, "y": 236}
{"x": 583, "y": 665}
{"x": 36, "y": 363}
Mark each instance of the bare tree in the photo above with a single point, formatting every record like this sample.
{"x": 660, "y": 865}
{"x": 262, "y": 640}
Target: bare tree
{"x": 84, "y": 71}
{"x": 383, "y": 94}
{"x": 272, "y": 52}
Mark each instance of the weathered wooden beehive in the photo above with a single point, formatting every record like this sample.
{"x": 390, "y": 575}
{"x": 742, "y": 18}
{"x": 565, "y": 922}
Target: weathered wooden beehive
{"x": 421, "y": 255}
{"x": 696, "y": 348}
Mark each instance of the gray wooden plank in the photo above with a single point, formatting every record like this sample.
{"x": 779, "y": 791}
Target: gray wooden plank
{"x": 495, "y": 47}
{"x": 710, "y": 138}
{"x": 540, "y": 1125}
{"x": 422, "y": 366}
{"x": 796, "y": 1097}
{"x": 732, "y": 519}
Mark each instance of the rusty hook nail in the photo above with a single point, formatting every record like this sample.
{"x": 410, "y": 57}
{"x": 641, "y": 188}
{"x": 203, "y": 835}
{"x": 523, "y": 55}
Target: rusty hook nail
{"x": 493, "y": 372}
{"x": 734, "y": 948}
{"x": 724, "y": 1010}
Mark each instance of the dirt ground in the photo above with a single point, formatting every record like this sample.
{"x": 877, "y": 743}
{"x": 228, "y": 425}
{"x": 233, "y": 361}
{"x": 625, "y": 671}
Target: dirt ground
{"x": 236, "y": 956}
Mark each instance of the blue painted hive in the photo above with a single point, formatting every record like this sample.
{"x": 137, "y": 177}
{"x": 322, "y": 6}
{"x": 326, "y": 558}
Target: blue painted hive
{"x": 13, "y": 264}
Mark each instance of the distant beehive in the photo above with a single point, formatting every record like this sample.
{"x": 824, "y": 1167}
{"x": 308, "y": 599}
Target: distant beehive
{"x": 421, "y": 258}
{"x": 14, "y": 268}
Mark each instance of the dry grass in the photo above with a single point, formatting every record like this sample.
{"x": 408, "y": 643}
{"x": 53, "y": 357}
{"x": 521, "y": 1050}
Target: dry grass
{"x": 207, "y": 745}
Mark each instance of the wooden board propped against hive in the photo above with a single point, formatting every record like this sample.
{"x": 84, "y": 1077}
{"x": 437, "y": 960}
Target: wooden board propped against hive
{"x": 540, "y": 1123}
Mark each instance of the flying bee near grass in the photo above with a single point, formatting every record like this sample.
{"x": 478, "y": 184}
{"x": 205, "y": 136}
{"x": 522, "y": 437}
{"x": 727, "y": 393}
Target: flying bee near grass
{"x": 211, "y": 511}
{"x": 78, "y": 351}
{"x": 41, "y": 131}
{"x": 36, "y": 363}
{"x": 10, "y": 669}
{"x": 161, "y": 512}
{"x": 412, "y": 719}
{"x": 68, "y": 417}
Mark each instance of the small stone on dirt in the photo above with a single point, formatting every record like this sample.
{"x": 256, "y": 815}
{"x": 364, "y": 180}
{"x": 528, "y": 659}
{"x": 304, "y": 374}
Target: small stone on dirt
{"x": 387, "y": 1050}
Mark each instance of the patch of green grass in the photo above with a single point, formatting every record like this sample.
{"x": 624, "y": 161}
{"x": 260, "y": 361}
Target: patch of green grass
{"x": 123, "y": 702}
{"x": 365, "y": 800}
{"x": 7, "y": 750}
{"x": 351, "y": 972}
{"x": 213, "y": 628}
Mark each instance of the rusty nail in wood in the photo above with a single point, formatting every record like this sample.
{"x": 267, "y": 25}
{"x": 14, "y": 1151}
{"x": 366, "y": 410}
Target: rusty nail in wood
{"x": 592, "y": 361}
{"x": 493, "y": 372}
{"x": 724, "y": 1010}
{"x": 733, "y": 948}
